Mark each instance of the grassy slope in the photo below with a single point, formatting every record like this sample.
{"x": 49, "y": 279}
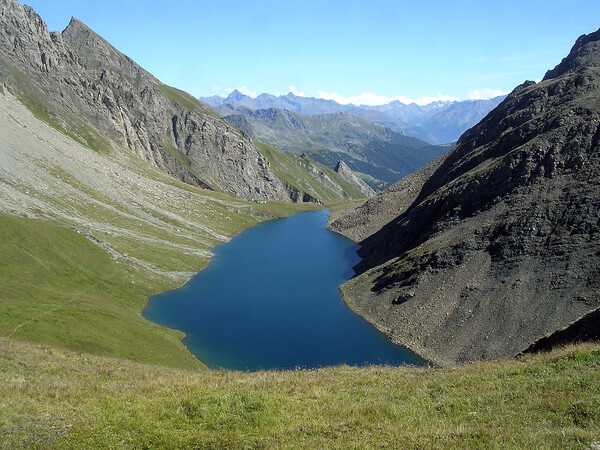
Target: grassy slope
{"x": 184, "y": 99}
{"x": 59, "y": 288}
{"x": 53, "y": 398}
{"x": 295, "y": 171}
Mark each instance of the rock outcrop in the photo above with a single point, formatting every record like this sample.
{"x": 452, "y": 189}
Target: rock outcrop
{"x": 347, "y": 174}
{"x": 500, "y": 246}
{"x": 79, "y": 83}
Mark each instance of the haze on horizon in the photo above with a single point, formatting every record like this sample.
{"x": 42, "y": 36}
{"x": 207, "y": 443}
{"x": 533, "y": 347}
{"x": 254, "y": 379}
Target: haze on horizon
{"x": 348, "y": 51}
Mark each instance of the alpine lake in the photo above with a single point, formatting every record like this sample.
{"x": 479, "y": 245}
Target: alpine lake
{"x": 269, "y": 299}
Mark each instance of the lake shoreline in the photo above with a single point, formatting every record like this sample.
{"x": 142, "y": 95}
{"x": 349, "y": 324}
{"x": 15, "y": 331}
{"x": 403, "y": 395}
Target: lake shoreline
{"x": 386, "y": 332}
{"x": 285, "y": 309}
{"x": 204, "y": 365}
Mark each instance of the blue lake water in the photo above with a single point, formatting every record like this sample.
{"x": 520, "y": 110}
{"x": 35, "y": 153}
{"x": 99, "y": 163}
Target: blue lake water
{"x": 269, "y": 299}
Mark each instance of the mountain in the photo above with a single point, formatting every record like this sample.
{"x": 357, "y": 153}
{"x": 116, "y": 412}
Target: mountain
{"x": 497, "y": 245}
{"x": 90, "y": 230}
{"x": 411, "y": 113}
{"x": 449, "y": 123}
{"x": 351, "y": 177}
{"x": 440, "y": 122}
{"x": 80, "y": 84}
{"x": 381, "y": 154}
{"x": 290, "y": 102}
{"x": 436, "y": 122}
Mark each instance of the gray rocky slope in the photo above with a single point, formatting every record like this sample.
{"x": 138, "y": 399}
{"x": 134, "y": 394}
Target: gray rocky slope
{"x": 499, "y": 245}
{"x": 78, "y": 82}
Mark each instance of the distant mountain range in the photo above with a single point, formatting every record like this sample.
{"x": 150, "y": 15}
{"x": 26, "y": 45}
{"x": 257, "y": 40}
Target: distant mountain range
{"x": 382, "y": 155}
{"x": 435, "y": 123}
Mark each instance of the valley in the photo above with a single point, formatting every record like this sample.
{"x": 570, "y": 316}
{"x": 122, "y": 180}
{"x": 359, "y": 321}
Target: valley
{"x": 115, "y": 187}
{"x": 379, "y": 155}
{"x": 284, "y": 310}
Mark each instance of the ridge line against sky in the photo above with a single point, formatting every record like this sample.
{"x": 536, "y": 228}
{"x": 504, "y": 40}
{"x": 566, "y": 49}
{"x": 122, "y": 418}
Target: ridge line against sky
{"x": 371, "y": 99}
{"x": 349, "y": 51}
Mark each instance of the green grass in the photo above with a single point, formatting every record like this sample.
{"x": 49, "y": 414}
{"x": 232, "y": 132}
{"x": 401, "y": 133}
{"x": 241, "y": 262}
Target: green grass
{"x": 178, "y": 96}
{"x": 42, "y": 112}
{"x": 183, "y": 159}
{"x": 59, "y": 288}
{"x": 295, "y": 171}
{"x": 85, "y": 135}
{"x": 93, "y": 140}
{"x": 56, "y": 399}
{"x": 344, "y": 204}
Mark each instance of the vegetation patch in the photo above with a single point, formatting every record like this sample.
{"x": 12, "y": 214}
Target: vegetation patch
{"x": 42, "y": 112}
{"x": 57, "y": 399}
{"x": 59, "y": 288}
{"x": 86, "y": 136}
{"x": 183, "y": 159}
{"x": 295, "y": 171}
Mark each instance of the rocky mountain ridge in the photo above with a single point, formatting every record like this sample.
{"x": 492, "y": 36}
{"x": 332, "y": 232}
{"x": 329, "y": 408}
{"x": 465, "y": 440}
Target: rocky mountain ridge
{"x": 500, "y": 245}
{"x": 79, "y": 83}
{"x": 436, "y": 123}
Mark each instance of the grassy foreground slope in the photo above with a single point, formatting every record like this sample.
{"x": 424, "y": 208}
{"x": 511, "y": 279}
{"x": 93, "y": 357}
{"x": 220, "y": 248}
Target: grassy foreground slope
{"x": 57, "y": 399}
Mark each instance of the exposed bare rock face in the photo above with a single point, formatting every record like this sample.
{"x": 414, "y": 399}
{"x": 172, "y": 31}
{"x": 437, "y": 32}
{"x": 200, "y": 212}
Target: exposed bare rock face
{"x": 104, "y": 99}
{"x": 348, "y": 175}
{"x": 500, "y": 246}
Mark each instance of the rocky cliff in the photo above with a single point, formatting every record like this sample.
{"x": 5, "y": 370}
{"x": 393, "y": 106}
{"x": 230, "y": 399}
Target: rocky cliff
{"x": 79, "y": 83}
{"x": 500, "y": 245}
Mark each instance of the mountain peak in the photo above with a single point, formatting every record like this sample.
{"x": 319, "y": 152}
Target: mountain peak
{"x": 235, "y": 96}
{"x": 76, "y": 23}
{"x": 585, "y": 52}
{"x": 77, "y": 28}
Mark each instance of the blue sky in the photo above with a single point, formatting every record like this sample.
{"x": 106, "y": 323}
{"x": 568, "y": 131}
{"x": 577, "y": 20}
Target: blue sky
{"x": 360, "y": 51}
